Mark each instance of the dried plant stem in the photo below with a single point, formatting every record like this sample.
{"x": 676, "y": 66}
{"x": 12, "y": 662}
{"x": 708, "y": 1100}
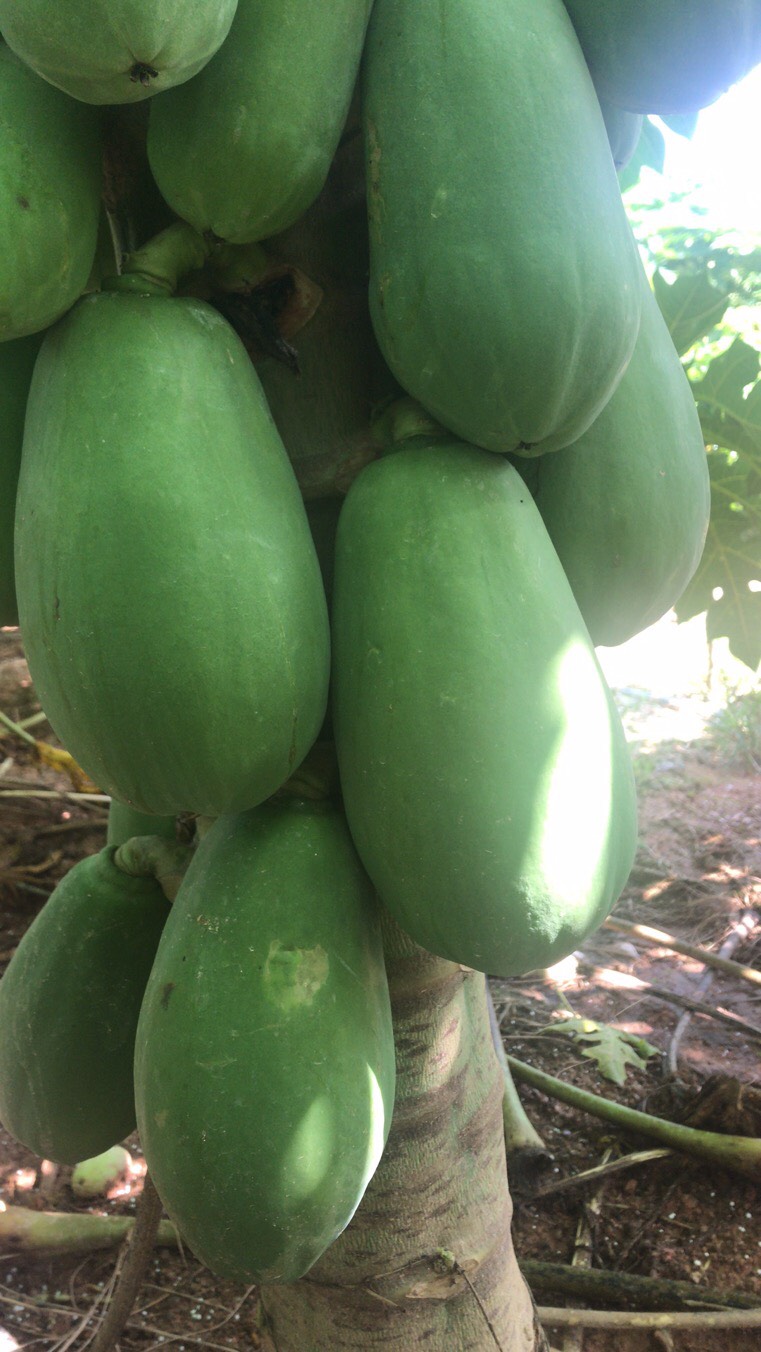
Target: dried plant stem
{"x": 139, "y": 1248}
{"x": 629, "y": 1288}
{"x": 652, "y": 1319}
{"x": 607, "y": 976}
{"x": 725, "y": 952}
{"x": 743, "y": 928}
{"x": 600, "y": 1170}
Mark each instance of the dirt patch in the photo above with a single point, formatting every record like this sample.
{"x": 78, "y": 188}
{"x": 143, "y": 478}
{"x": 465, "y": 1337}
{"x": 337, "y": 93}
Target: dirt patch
{"x": 698, "y": 873}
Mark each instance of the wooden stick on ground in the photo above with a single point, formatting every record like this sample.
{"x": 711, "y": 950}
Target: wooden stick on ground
{"x": 744, "y": 928}
{"x": 650, "y": 1319}
{"x": 608, "y": 976}
{"x": 587, "y": 1176}
{"x": 654, "y": 1293}
{"x": 727, "y": 949}
{"x": 583, "y": 1249}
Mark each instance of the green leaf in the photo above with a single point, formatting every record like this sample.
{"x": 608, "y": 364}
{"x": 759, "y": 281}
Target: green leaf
{"x": 612, "y": 1049}
{"x": 683, "y": 124}
{"x": 691, "y": 306}
{"x": 730, "y": 569}
{"x": 650, "y": 153}
{"x": 730, "y": 413}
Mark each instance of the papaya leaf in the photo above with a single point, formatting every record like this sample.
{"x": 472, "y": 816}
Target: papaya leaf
{"x": 683, "y": 124}
{"x": 727, "y": 584}
{"x": 730, "y": 412}
{"x": 612, "y": 1049}
{"x": 650, "y": 152}
{"x": 691, "y": 306}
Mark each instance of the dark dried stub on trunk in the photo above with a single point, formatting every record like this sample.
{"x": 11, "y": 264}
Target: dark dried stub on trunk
{"x": 256, "y": 325}
{"x": 141, "y": 73}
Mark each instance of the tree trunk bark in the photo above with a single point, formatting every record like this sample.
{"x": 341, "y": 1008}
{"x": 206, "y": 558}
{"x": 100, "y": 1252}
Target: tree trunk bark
{"x": 428, "y": 1257}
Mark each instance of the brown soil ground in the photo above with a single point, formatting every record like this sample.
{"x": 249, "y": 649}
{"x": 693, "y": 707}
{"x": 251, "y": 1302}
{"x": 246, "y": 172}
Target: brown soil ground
{"x": 698, "y": 873}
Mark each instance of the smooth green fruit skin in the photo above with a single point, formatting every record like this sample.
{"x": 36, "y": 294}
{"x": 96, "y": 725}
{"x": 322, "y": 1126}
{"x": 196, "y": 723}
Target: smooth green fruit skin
{"x": 124, "y": 823}
{"x": 627, "y": 505}
{"x": 170, "y": 598}
{"x": 69, "y": 1005}
{"x": 624, "y": 130}
{"x": 16, "y": 365}
{"x": 485, "y": 774}
{"x": 50, "y": 172}
{"x": 246, "y": 148}
{"x": 503, "y": 284}
{"x": 264, "y": 1059}
{"x": 667, "y": 56}
{"x": 89, "y": 48}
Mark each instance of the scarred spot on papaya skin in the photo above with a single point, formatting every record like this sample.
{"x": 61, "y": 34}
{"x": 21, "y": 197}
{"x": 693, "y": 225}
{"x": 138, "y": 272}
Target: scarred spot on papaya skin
{"x": 293, "y": 976}
{"x": 375, "y": 200}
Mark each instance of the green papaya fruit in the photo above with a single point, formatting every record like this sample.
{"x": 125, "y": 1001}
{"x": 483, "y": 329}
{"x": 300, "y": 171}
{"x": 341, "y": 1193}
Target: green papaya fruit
{"x": 264, "y": 1059}
{"x": 627, "y": 505}
{"x": 124, "y": 824}
{"x": 624, "y": 130}
{"x": 485, "y": 773}
{"x": 115, "y": 51}
{"x": 69, "y": 1004}
{"x": 170, "y": 599}
{"x": 503, "y": 283}
{"x": 246, "y": 148}
{"x": 667, "y": 56}
{"x": 324, "y": 413}
{"x": 17, "y": 359}
{"x": 49, "y": 199}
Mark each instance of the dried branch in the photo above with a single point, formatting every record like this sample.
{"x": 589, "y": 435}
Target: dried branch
{"x": 624, "y": 1319}
{"x": 607, "y": 976}
{"x": 744, "y": 928}
{"x": 628, "y": 1288}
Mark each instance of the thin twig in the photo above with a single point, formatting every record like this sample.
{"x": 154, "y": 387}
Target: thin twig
{"x": 68, "y": 794}
{"x": 728, "y": 947}
{"x": 573, "y": 1339}
{"x": 744, "y": 927}
{"x": 607, "y": 976}
{"x": 592, "y": 1175}
{"x": 17, "y": 729}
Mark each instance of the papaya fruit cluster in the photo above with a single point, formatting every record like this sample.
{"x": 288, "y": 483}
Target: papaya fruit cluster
{"x": 532, "y": 481}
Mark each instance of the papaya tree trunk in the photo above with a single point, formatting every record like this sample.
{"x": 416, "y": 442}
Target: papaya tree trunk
{"x": 428, "y": 1257}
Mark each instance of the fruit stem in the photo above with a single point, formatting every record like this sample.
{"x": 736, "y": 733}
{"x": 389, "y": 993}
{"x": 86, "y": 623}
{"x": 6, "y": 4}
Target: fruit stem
{"x": 402, "y": 420}
{"x": 160, "y": 265}
{"x": 154, "y": 857}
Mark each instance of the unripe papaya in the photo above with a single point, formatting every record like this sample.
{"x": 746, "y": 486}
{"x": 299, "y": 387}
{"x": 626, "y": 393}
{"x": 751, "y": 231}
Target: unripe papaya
{"x": 264, "y": 1060}
{"x": 170, "y": 598}
{"x": 624, "y": 130}
{"x": 16, "y": 365}
{"x": 627, "y": 505}
{"x": 485, "y": 773}
{"x": 667, "y": 56}
{"x": 124, "y": 823}
{"x": 504, "y": 276}
{"x": 69, "y": 1004}
{"x": 50, "y": 176}
{"x": 115, "y": 51}
{"x": 324, "y": 413}
{"x": 246, "y": 148}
